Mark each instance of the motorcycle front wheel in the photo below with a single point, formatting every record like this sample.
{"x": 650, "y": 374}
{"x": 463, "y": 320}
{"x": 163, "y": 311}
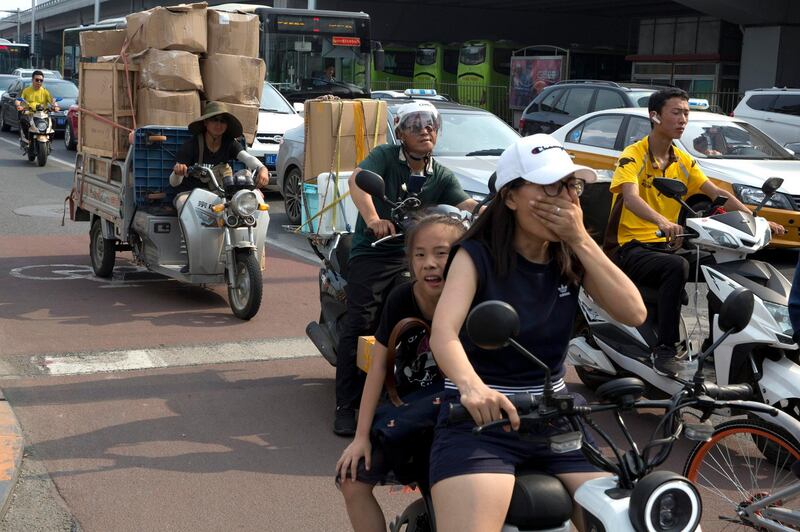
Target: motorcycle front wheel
{"x": 733, "y": 472}
{"x": 41, "y": 152}
{"x": 31, "y": 151}
{"x": 244, "y": 296}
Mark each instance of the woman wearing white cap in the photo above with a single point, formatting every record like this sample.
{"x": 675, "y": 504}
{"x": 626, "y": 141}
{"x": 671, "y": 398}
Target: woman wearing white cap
{"x": 531, "y": 250}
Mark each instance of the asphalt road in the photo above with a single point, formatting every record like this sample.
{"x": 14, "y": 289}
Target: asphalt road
{"x": 145, "y": 404}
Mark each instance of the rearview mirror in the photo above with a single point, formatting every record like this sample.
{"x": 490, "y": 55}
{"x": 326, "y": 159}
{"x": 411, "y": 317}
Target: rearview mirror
{"x": 671, "y": 188}
{"x": 736, "y": 311}
{"x": 492, "y": 324}
{"x": 371, "y": 183}
{"x": 771, "y": 185}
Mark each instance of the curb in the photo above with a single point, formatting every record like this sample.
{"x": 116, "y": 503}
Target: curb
{"x": 11, "y": 448}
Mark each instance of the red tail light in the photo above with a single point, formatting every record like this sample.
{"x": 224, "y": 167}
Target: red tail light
{"x": 521, "y": 125}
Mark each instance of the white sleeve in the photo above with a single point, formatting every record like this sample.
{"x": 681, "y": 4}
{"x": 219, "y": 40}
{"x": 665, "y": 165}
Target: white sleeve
{"x": 175, "y": 180}
{"x": 250, "y": 161}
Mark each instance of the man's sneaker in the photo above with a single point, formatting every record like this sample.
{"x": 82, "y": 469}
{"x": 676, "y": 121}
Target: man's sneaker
{"x": 664, "y": 361}
{"x": 345, "y": 422}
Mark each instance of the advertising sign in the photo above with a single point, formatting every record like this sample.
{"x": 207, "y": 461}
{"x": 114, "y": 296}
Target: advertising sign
{"x": 529, "y": 75}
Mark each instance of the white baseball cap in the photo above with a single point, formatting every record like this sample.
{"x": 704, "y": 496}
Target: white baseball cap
{"x": 540, "y": 159}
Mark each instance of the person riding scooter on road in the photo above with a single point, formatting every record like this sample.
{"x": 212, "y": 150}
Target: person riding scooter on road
{"x": 213, "y": 144}
{"x": 373, "y": 271}
{"x": 639, "y": 211}
{"x": 34, "y": 95}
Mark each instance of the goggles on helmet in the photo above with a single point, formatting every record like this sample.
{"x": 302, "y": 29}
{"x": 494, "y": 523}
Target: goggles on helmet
{"x": 419, "y": 122}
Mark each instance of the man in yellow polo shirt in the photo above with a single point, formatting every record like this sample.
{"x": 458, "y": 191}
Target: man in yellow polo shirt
{"x": 33, "y": 95}
{"x": 638, "y": 211}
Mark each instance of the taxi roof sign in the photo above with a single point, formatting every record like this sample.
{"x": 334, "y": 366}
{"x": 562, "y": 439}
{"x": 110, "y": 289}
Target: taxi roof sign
{"x": 698, "y": 104}
{"x": 420, "y": 92}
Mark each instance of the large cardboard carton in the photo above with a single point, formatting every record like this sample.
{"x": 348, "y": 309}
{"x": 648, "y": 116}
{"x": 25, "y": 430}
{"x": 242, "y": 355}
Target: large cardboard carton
{"x": 106, "y": 42}
{"x": 169, "y": 70}
{"x": 166, "y": 108}
{"x": 233, "y": 78}
{"x": 98, "y": 135}
{"x": 181, "y": 27}
{"x": 104, "y": 88}
{"x": 353, "y": 127}
{"x": 232, "y": 33}
{"x": 247, "y": 115}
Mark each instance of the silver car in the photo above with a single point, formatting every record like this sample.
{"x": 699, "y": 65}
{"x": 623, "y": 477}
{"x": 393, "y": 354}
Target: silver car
{"x": 470, "y": 144}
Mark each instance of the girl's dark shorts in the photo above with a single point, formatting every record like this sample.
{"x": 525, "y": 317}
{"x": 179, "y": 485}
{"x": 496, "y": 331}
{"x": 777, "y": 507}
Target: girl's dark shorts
{"x": 380, "y": 471}
{"x": 457, "y": 451}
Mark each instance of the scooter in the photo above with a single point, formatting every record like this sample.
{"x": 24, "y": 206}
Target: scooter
{"x": 763, "y": 355}
{"x": 37, "y": 143}
{"x": 334, "y": 252}
{"x": 217, "y": 237}
{"x": 636, "y": 497}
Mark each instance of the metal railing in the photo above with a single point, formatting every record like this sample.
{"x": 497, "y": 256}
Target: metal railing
{"x": 723, "y": 102}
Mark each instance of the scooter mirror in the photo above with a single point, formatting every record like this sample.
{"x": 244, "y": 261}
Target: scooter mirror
{"x": 492, "y": 324}
{"x": 671, "y": 188}
{"x": 771, "y": 185}
{"x": 736, "y": 311}
{"x": 371, "y": 183}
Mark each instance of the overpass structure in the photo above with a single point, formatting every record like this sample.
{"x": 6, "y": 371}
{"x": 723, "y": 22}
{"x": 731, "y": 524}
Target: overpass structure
{"x": 756, "y": 39}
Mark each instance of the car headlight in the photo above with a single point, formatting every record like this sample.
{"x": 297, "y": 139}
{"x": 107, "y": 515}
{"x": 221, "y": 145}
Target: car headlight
{"x": 244, "y": 203}
{"x": 754, "y": 196}
{"x": 723, "y": 239}
{"x": 477, "y": 196}
{"x": 665, "y": 501}
{"x": 780, "y": 313}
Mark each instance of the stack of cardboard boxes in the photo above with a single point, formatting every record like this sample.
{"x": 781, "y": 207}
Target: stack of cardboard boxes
{"x": 176, "y": 57}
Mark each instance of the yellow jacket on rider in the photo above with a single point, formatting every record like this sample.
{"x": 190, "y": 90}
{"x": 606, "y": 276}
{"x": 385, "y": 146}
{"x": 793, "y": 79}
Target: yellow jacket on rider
{"x": 33, "y": 97}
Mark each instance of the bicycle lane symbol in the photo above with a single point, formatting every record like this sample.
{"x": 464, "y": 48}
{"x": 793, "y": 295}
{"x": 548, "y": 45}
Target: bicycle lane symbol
{"x": 69, "y": 272}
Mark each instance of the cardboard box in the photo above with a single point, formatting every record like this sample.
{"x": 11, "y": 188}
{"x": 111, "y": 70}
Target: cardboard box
{"x": 232, "y": 33}
{"x": 169, "y": 70}
{"x": 106, "y": 42}
{"x": 233, "y": 78}
{"x": 364, "y": 352}
{"x": 98, "y": 137}
{"x": 181, "y": 27}
{"x": 104, "y": 88}
{"x": 247, "y": 115}
{"x": 166, "y": 108}
{"x": 360, "y": 121}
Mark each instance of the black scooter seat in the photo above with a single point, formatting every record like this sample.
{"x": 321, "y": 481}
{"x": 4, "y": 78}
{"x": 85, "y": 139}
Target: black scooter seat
{"x": 538, "y": 501}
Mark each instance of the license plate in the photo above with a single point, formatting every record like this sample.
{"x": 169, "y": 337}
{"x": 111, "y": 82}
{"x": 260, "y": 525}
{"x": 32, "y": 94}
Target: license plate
{"x": 271, "y": 159}
{"x": 60, "y": 121}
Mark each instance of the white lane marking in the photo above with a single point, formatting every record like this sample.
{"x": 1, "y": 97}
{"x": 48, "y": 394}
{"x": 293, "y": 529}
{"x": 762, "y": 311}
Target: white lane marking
{"x": 135, "y": 359}
{"x": 50, "y": 158}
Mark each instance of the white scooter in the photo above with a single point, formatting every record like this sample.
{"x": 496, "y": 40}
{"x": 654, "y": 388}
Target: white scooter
{"x": 762, "y": 355}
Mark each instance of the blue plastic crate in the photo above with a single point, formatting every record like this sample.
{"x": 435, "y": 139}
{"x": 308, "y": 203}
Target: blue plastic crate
{"x": 309, "y": 207}
{"x": 153, "y": 161}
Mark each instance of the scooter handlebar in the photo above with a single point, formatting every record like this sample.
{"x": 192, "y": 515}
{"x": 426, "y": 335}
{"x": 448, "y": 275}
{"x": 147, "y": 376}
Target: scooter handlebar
{"x": 523, "y": 402}
{"x": 730, "y": 392}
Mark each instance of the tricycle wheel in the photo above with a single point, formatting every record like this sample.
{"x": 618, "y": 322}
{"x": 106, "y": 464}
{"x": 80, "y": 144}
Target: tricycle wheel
{"x": 245, "y": 295}
{"x": 101, "y": 250}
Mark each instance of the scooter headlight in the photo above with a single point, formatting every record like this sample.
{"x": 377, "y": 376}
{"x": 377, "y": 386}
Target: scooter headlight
{"x": 723, "y": 239}
{"x": 41, "y": 125}
{"x": 665, "y": 501}
{"x": 780, "y": 313}
{"x": 244, "y": 203}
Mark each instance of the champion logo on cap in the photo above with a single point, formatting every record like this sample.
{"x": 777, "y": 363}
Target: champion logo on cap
{"x": 540, "y": 149}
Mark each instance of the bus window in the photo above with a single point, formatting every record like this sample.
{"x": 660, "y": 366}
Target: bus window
{"x": 473, "y": 55}
{"x": 426, "y": 56}
{"x": 502, "y": 60}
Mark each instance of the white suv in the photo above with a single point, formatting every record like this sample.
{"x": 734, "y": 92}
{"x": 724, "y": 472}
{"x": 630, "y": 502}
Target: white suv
{"x": 275, "y": 116}
{"x": 776, "y": 112}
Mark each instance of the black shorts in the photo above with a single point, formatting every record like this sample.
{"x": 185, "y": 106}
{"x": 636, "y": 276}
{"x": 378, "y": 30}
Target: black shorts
{"x": 380, "y": 471}
{"x": 457, "y": 451}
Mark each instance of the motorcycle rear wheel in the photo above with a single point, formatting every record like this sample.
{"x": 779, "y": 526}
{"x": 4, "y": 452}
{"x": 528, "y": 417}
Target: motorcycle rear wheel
{"x": 245, "y": 297}
{"x": 42, "y": 150}
{"x": 414, "y": 519}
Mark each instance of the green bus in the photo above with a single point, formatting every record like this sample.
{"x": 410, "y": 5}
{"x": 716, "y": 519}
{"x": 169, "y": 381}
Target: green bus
{"x": 13, "y": 55}
{"x": 483, "y": 70}
{"x": 398, "y": 68}
{"x": 436, "y": 67}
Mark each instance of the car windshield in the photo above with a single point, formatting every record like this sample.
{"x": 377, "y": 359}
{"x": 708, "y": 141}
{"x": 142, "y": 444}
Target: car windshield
{"x": 717, "y": 139}
{"x": 5, "y": 81}
{"x": 473, "y": 133}
{"x": 271, "y": 100}
{"x": 640, "y": 98}
{"x": 60, "y": 89}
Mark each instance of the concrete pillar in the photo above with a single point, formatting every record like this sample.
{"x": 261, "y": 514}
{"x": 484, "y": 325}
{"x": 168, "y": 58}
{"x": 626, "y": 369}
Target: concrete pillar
{"x": 769, "y": 57}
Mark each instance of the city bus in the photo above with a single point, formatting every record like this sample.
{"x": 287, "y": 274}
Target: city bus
{"x": 13, "y": 55}
{"x": 436, "y": 67}
{"x": 483, "y": 70}
{"x": 71, "y": 45}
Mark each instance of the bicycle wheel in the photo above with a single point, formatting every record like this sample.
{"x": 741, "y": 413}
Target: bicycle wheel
{"x": 733, "y": 473}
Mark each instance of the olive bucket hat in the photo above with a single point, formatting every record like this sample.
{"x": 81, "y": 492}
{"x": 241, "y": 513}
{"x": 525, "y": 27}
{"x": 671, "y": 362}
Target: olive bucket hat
{"x": 211, "y": 110}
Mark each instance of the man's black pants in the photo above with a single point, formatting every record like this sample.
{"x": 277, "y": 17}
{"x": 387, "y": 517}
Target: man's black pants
{"x": 657, "y": 267}
{"x": 369, "y": 281}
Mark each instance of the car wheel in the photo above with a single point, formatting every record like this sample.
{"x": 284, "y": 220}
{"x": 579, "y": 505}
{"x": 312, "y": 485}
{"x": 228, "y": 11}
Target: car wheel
{"x": 3, "y": 125}
{"x": 70, "y": 142}
{"x": 292, "y": 194}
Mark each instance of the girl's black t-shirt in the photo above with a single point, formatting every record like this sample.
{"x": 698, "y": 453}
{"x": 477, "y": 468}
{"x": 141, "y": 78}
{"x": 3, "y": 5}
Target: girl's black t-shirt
{"x": 546, "y": 303}
{"x": 188, "y": 154}
{"x": 415, "y": 367}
